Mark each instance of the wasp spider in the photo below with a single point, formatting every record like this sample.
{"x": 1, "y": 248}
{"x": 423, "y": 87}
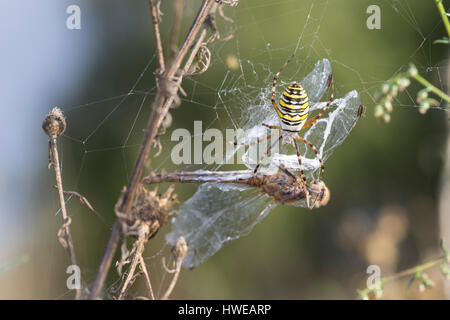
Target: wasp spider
{"x": 293, "y": 112}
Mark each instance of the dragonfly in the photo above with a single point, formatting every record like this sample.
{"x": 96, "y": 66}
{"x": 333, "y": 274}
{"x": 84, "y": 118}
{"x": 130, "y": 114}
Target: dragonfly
{"x": 237, "y": 200}
{"x": 283, "y": 187}
{"x": 227, "y": 205}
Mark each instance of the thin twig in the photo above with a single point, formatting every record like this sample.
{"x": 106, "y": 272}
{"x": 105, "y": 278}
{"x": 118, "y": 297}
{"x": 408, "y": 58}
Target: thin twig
{"x": 156, "y": 19}
{"x": 147, "y": 278}
{"x": 165, "y": 93}
{"x": 134, "y": 261}
{"x": 149, "y": 212}
{"x": 82, "y": 199}
{"x": 174, "y": 32}
{"x": 179, "y": 252}
{"x": 54, "y": 125}
{"x": 130, "y": 283}
{"x": 173, "y": 282}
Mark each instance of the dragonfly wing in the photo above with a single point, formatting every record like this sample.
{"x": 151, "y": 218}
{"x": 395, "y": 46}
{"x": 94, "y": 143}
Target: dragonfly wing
{"x": 215, "y": 215}
{"x": 315, "y": 83}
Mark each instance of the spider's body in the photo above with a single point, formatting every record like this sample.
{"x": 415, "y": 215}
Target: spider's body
{"x": 294, "y": 107}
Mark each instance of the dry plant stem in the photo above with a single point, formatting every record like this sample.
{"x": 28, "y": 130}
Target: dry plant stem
{"x": 179, "y": 251}
{"x": 174, "y": 280}
{"x": 175, "y": 30}
{"x": 134, "y": 261}
{"x": 156, "y": 19}
{"x": 70, "y": 248}
{"x": 130, "y": 283}
{"x": 166, "y": 91}
{"x": 147, "y": 278}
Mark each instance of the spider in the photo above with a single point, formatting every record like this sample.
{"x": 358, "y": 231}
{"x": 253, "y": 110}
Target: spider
{"x": 293, "y": 113}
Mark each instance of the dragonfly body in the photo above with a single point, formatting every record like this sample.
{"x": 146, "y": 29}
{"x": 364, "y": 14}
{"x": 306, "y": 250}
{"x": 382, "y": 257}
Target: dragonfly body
{"x": 283, "y": 188}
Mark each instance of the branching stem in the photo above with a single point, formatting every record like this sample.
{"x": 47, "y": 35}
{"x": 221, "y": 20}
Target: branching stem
{"x": 167, "y": 90}
{"x": 432, "y": 88}
{"x": 66, "y": 220}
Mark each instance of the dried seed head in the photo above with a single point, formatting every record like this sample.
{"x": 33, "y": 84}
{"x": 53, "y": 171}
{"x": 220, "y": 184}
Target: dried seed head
{"x": 180, "y": 249}
{"x": 150, "y": 210}
{"x": 54, "y": 123}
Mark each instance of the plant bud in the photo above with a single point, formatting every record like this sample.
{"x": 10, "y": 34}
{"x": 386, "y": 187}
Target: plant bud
{"x": 54, "y": 123}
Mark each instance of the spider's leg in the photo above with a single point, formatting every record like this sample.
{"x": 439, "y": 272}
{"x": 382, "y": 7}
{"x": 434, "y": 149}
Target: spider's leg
{"x": 269, "y": 148}
{"x": 313, "y": 147}
{"x": 302, "y": 175}
{"x": 271, "y": 127}
{"x": 257, "y": 141}
{"x": 313, "y": 120}
{"x": 275, "y": 78}
{"x": 287, "y": 172}
{"x": 317, "y": 197}
{"x": 322, "y": 167}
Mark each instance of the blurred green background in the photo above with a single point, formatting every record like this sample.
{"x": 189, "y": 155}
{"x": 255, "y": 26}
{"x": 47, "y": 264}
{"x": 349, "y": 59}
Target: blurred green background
{"x": 384, "y": 179}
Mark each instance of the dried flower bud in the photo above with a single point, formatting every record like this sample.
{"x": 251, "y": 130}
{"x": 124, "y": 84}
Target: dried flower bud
{"x": 55, "y": 123}
{"x": 180, "y": 249}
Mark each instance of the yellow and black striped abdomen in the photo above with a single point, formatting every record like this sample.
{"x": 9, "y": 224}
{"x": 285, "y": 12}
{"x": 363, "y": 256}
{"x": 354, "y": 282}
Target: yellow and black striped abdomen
{"x": 294, "y": 107}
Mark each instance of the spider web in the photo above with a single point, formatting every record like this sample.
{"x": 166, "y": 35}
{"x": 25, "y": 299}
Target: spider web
{"x": 240, "y": 97}
{"x": 219, "y": 213}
